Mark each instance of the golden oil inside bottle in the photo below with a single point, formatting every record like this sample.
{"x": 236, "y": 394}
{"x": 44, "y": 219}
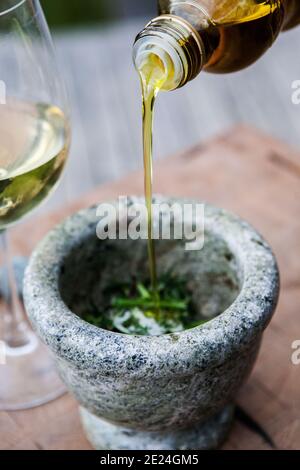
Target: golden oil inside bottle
{"x": 239, "y": 33}
{"x": 228, "y": 35}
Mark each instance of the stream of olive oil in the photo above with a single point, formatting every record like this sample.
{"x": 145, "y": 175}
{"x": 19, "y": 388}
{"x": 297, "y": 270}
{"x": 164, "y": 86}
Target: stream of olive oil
{"x": 153, "y": 76}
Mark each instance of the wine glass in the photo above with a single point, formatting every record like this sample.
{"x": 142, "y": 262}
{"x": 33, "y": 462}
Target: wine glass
{"x": 34, "y": 145}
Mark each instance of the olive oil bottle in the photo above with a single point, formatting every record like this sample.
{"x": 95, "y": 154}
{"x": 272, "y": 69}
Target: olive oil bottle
{"x": 218, "y": 36}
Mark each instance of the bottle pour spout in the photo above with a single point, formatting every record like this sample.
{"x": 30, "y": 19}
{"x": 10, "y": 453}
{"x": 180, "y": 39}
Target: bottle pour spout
{"x": 173, "y": 43}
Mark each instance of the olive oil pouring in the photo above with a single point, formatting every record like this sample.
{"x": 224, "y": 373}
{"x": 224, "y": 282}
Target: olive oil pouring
{"x": 188, "y": 36}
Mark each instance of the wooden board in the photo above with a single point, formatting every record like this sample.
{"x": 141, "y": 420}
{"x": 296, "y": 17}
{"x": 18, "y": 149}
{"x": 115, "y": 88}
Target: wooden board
{"x": 258, "y": 178}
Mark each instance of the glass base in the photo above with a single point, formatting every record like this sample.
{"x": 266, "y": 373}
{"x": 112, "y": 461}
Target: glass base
{"x": 27, "y": 376}
{"x": 27, "y": 373}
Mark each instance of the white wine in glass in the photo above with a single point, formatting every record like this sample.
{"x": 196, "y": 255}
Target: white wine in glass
{"x": 34, "y": 145}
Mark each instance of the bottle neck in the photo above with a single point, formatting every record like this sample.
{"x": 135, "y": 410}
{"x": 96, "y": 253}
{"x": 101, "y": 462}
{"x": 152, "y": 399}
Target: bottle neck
{"x": 178, "y": 46}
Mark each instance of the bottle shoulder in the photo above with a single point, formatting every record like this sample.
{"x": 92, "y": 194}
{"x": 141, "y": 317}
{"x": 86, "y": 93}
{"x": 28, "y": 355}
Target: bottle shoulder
{"x": 235, "y": 33}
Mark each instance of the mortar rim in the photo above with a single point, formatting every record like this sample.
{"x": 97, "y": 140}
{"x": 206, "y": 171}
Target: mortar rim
{"x": 225, "y": 333}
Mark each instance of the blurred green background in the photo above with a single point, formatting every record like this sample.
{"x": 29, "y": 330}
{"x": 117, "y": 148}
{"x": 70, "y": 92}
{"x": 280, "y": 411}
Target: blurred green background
{"x": 77, "y": 13}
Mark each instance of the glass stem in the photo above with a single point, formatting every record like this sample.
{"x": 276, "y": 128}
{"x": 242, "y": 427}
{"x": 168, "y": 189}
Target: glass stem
{"x": 16, "y": 329}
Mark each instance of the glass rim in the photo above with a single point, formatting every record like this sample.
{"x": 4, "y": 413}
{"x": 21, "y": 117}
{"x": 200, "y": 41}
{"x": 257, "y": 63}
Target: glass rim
{"x": 12, "y": 8}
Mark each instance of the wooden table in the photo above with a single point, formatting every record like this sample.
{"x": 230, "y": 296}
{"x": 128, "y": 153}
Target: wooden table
{"x": 259, "y": 178}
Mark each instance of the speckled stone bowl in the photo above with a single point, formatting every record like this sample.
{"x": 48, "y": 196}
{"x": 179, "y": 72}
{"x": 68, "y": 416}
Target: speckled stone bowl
{"x": 172, "y": 391}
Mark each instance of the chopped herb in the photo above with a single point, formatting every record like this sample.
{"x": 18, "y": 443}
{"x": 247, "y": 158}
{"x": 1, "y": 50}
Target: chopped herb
{"x": 134, "y": 309}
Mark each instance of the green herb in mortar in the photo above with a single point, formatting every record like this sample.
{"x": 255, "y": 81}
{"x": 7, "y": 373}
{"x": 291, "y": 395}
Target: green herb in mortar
{"x": 133, "y": 309}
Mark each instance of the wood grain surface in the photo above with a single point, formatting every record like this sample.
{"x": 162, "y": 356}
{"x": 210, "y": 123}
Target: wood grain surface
{"x": 258, "y": 178}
